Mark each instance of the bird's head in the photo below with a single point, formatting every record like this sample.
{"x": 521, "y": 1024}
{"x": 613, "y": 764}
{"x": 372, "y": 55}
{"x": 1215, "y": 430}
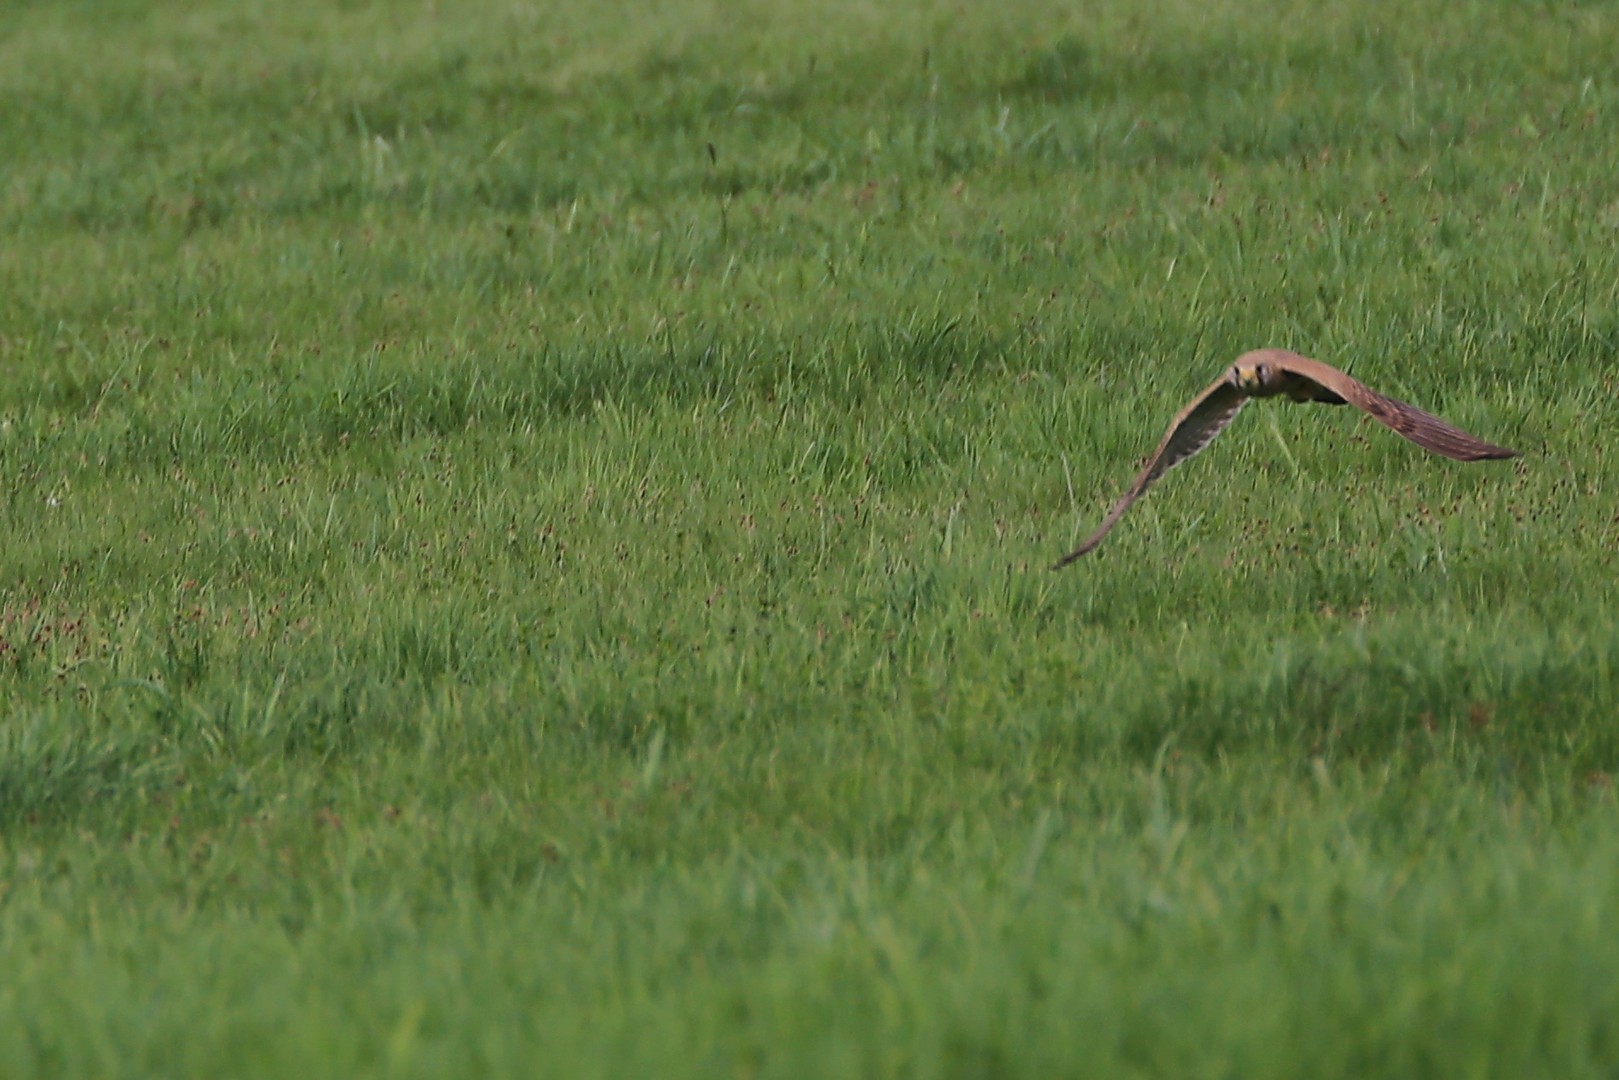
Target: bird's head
{"x": 1253, "y": 376}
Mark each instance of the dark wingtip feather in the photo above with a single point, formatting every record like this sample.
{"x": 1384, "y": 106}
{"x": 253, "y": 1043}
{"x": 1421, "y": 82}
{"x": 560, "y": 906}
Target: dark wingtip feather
{"x": 1070, "y": 557}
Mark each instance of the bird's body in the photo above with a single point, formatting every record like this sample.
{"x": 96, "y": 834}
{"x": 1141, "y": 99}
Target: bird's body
{"x": 1267, "y": 373}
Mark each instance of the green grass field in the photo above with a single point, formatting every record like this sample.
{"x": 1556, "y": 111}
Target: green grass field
{"x": 525, "y": 539}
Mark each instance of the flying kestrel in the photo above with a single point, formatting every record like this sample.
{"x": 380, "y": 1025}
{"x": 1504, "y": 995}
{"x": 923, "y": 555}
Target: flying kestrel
{"x": 1267, "y": 373}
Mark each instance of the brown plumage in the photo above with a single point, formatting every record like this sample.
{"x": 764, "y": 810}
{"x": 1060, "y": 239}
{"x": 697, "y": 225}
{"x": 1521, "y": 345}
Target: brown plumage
{"x": 1267, "y": 373}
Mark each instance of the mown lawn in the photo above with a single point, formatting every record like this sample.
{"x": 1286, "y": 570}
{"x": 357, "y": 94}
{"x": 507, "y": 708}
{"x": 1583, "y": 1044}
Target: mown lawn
{"x": 524, "y": 536}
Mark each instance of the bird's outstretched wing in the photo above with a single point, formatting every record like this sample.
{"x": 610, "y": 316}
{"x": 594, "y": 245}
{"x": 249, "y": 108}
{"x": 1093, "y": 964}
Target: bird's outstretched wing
{"x": 1424, "y": 429}
{"x": 1191, "y": 431}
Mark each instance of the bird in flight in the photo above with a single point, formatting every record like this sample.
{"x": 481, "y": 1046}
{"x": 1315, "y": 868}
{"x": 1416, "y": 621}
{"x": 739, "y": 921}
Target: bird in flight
{"x": 1267, "y": 373}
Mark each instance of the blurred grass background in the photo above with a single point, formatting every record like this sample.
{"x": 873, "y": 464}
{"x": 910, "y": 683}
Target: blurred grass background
{"x": 525, "y": 532}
